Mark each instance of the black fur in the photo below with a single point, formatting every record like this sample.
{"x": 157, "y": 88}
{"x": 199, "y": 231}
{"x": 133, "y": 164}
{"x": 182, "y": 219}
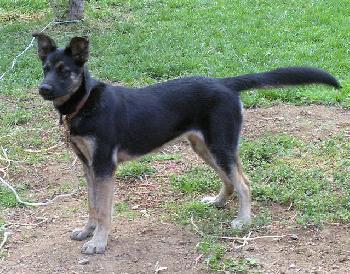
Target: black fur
{"x": 139, "y": 120}
{"x": 135, "y": 121}
{"x": 282, "y": 77}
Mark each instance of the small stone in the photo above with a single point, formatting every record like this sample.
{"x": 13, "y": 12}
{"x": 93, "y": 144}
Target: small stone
{"x": 294, "y": 237}
{"x": 84, "y": 261}
{"x": 343, "y": 259}
{"x": 292, "y": 266}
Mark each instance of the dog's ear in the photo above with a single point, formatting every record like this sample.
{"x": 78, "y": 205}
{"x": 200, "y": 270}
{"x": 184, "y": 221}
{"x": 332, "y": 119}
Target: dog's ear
{"x": 45, "y": 45}
{"x": 79, "y": 49}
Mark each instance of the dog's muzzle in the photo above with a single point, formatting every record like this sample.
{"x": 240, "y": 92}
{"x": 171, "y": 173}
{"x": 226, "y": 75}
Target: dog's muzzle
{"x": 45, "y": 91}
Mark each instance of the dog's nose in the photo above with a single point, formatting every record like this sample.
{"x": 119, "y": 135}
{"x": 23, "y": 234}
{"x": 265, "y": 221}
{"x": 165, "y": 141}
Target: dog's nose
{"x": 45, "y": 89}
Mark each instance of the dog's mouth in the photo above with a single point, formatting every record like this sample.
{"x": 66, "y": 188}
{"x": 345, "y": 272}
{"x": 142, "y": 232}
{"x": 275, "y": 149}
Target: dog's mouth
{"x": 49, "y": 97}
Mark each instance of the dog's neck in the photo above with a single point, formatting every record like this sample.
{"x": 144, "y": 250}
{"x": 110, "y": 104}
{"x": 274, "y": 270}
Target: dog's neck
{"x": 77, "y": 101}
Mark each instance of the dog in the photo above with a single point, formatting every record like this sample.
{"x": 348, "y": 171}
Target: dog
{"x": 108, "y": 125}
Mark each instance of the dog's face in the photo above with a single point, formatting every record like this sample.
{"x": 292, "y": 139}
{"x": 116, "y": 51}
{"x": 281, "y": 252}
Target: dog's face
{"x": 63, "y": 68}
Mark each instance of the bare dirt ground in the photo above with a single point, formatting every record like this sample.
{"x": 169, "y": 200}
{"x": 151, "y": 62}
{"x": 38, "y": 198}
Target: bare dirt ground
{"x": 145, "y": 241}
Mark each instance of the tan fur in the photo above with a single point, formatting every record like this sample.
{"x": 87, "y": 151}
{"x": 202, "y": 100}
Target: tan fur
{"x": 124, "y": 156}
{"x": 241, "y": 185}
{"x": 89, "y": 228}
{"x": 83, "y": 145}
{"x": 76, "y": 84}
{"x": 102, "y": 202}
{"x": 235, "y": 181}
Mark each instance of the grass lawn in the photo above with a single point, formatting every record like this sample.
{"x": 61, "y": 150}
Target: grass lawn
{"x": 141, "y": 42}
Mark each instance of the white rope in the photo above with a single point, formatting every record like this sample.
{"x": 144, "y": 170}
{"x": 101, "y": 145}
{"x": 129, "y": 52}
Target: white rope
{"x": 14, "y": 62}
{"x": 5, "y": 236}
{"x": 33, "y": 204}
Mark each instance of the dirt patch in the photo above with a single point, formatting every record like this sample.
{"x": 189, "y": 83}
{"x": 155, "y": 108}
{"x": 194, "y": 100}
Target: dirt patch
{"x": 135, "y": 246}
{"x": 140, "y": 243}
{"x": 311, "y": 251}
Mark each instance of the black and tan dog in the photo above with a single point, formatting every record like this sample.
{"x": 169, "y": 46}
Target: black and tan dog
{"x": 109, "y": 125}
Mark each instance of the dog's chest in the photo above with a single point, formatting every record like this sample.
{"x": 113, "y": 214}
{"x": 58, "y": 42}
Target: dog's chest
{"x": 83, "y": 147}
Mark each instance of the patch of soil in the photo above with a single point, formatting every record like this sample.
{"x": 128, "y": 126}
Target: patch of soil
{"x": 135, "y": 246}
{"x": 138, "y": 243}
{"x": 306, "y": 251}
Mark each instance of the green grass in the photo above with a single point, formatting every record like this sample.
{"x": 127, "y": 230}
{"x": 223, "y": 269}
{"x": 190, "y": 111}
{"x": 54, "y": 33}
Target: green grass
{"x": 7, "y": 199}
{"x": 160, "y": 157}
{"x": 312, "y": 177}
{"x": 135, "y": 169}
{"x": 200, "y": 179}
{"x": 141, "y": 42}
{"x": 142, "y": 166}
{"x": 309, "y": 176}
{"x": 122, "y": 209}
{"x": 216, "y": 260}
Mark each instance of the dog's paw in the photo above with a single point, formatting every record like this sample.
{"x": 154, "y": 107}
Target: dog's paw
{"x": 80, "y": 234}
{"x": 240, "y": 223}
{"x": 94, "y": 246}
{"x": 214, "y": 200}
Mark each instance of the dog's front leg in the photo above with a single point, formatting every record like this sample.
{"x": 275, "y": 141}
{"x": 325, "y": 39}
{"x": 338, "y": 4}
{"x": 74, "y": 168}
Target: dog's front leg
{"x": 102, "y": 214}
{"x": 80, "y": 234}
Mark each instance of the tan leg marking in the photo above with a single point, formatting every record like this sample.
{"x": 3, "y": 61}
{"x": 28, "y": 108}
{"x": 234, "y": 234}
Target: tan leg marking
{"x": 86, "y": 147}
{"x": 103, "y": 202}
{"x": 235, "y": 181}
{"x": 197, "y": 142}
{"x": 242, "y": 186}
{"x": 80, "y": 234}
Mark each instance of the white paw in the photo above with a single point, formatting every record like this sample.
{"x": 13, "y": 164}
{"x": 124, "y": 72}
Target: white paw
{"x": 94, "y": 246}
{"x": 80, "y": 234}
{"x": 214, "y": 200}
{"x": 240, "y": 223}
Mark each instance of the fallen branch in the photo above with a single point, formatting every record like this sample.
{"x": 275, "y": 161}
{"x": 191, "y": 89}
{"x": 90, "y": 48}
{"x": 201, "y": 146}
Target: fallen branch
{"x": 30, "y": 203}
{"x": 253, "y": 238}
{"x": 159, "y": 268}
{"x": 24, "y": 224}
{"x": 198, "y": 258}
{"x": 44, "y": 149}
{"x": 244, "y": 240}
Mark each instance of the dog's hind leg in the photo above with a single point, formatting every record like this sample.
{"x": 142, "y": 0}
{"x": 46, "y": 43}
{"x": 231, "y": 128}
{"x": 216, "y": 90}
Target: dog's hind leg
{"x": 80, "y": 234}
{"x": 234, "y": 179}
{"x": 199, "y": 146}
{"x": 242, "y": 186}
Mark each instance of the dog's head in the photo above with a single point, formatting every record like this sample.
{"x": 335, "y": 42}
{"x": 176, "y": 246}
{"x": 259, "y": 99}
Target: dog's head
{"x": 63, "y": 68}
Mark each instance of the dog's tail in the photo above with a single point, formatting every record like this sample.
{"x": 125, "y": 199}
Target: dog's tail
{"x": 281, "y": 77}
